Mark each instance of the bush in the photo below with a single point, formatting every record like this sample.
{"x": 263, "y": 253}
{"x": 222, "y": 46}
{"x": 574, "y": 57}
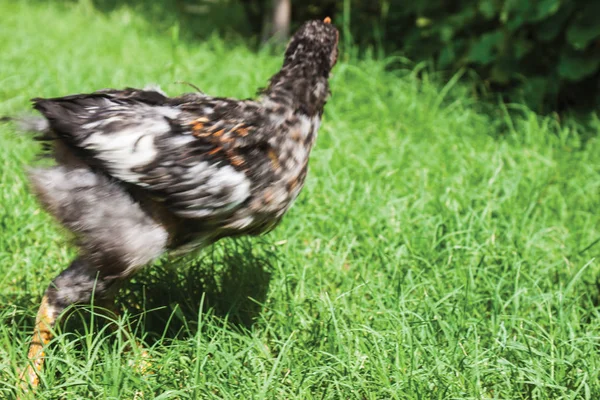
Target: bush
{"x": 546, "y": 52}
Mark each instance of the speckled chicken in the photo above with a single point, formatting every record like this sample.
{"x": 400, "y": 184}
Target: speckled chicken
{"x": 138, "y": 173}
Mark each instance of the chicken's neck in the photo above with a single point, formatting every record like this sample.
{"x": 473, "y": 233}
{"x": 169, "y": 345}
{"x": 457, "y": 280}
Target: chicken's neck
{"x": 300, "y": 86}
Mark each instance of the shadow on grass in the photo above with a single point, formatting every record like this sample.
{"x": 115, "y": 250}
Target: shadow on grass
{"x": 229, "y": 281}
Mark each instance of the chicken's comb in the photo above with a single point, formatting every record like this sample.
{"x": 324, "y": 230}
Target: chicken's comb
{"x": 327, "y": 20}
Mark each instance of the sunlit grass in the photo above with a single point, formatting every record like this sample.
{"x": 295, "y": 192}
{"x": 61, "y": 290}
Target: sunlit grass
{"x": 435, "y": 252}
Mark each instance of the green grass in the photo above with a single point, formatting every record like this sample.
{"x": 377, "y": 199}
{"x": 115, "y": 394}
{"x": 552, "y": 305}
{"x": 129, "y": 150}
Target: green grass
{"x": 436, "y": 252}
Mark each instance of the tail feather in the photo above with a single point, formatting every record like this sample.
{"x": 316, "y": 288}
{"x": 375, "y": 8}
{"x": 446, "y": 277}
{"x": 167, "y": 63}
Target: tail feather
{"x": 29, "y": 123}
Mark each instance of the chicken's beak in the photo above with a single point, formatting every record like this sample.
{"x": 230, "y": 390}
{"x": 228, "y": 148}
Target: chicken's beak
{"x": 327, "y": 20}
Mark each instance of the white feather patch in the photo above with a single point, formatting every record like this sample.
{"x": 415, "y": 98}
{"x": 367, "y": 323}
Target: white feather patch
{"x": 236, "y": 180}
{"x": 214, "y": 179}
{"x": 130, "y": 147}
{"x": 241, "y": 223}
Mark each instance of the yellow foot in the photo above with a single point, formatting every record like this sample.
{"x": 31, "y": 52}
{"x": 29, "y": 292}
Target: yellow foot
{"x": 42, "y": 335}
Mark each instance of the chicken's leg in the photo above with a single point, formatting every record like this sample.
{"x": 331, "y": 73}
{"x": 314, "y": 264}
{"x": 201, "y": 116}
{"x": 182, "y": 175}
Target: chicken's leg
{"x": 75, "y": 285}
{"x": 44, "y": 322}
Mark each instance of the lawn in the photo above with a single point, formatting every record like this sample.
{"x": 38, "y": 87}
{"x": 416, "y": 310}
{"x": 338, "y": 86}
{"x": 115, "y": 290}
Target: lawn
{"x": 438, "y": 251}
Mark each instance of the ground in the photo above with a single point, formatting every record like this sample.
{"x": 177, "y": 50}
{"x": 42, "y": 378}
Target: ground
{"x": 438, "y": 251}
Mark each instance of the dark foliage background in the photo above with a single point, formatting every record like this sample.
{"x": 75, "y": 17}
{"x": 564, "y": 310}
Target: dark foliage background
{"x": 544, "y": 52}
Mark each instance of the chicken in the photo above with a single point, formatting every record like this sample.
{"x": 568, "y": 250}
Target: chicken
{"x": 138, "y": 173}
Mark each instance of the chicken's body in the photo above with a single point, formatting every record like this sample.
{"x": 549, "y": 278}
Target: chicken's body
{"x": 138, "y": 173}
{"x": 142, "y": 173}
